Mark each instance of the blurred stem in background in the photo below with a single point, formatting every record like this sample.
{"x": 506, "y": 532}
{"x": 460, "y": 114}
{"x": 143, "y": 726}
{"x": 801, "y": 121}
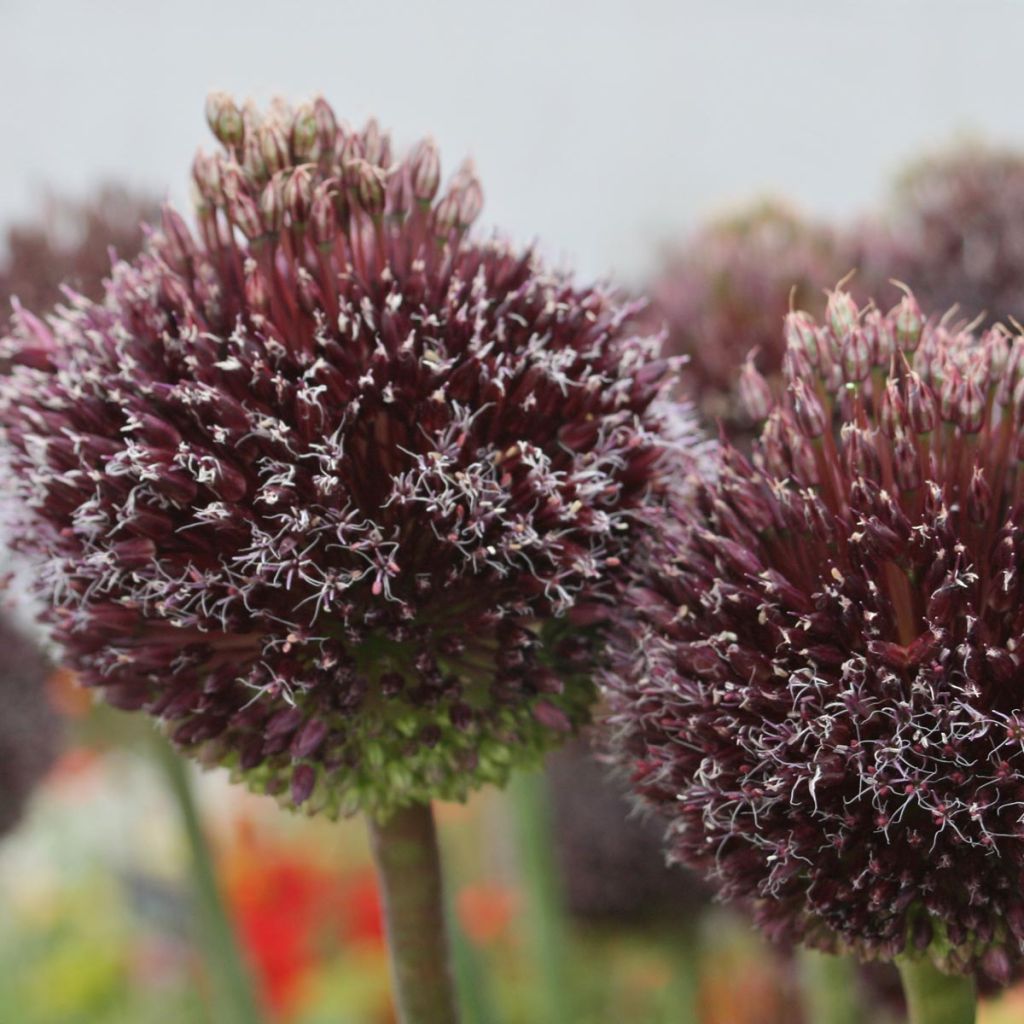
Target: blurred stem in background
{"x": 233, "y": 999}
{"x": 830, "y": 988}
{"x": 934, "y": 997}
{"x": 684, "y": 989}
{"x": 409, "y": 870}
{"x": 543, "y": 892}
{"x": 476, "y": 999}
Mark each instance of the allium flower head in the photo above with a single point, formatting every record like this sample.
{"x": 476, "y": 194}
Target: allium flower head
{"x": 320, "y": 483}
{"x": 821, "y": 682}
{"x": 70, "y": 244}
{"x": 955, "y": 233}
{"x": 723, "y": 297}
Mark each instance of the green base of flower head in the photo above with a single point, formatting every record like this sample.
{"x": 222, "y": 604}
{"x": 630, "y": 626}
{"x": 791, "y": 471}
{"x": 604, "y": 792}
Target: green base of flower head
{"x": 927, "y": 941}
{"x": 384, "y": 763}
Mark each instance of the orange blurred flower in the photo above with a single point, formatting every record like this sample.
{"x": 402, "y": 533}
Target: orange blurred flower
{"x": 485, "y": 910}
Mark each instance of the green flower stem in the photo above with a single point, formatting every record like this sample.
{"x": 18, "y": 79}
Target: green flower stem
{"x": 543, "y": 892}
{"x": 830, "y": 987}
{"x": 234, "y": 1001}
{"x": 475, "y": 997}
{"x": 937, "y": 998}
{"x": 409, "y": 869}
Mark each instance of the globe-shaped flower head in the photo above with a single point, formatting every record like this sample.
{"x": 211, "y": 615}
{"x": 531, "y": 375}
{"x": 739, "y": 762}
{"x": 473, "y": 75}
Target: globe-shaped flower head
{"x": 821, "y": 683}
{"x": 723, "y": 296}
{"x": 955, "y": 233}
{"x": 319, "y": 484}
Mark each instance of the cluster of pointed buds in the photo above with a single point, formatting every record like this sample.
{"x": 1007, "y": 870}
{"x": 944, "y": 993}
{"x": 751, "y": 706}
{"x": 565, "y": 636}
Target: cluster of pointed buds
{"x": 332, "y": 490}
{"x": 955, "y": 234}
{"x": 69, "y": 246}
{"x": 818, "y": 678}
{"x": 723, "y": 297}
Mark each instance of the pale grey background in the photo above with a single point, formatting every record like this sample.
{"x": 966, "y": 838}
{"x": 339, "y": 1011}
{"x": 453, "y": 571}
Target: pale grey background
{"x": 598, "y": 127}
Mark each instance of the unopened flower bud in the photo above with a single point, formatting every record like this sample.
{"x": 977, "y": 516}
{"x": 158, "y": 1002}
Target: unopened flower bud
{"x": 206, "y": 175}
{"x": 909, "y": 323}
{"x": 246, "y": 215}
{"x": 841, "y": 313}
{"x": 180, "y": 247}
{"x": 445, "y": 215}
{"x": 225, "y": 119}
{"x": 272, "y": 203}
{"x": 970, "y": 407}
{"x": 326, "y": 126}
{"x": 253, "y": 164}
{"x": 801, "y": 333}
{"x": 322, "y": 223}
{"x": 368, "y": 183}
{"x": 298, "y": 194}
{"x": 425, "y": 171}
{"x": 807, "y": 410}
{"x": 274, "y": 147}
{"x": 755, "y": 394}
{"x": 376, "y": 145}
{"x": 856, "y": 356}
{"x": 920, "y": 405}
{"x": 304, "y": 133}
{"x": 469, "y": 202}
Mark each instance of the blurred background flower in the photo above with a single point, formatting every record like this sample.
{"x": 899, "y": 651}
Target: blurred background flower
{"x": 70, "y": 242}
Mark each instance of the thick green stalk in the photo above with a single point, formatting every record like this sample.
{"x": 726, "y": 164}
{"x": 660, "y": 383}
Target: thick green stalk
{"x": 937, "y": 998}
{"x": 234, "y": 1001}
{"x": 829, "y": 986}
{"x": 543, "y": 892}
{"x": 409, "y": 869}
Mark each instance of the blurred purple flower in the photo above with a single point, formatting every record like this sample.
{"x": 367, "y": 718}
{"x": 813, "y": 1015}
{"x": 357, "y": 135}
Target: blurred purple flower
{"x": 29, "y": 726}
{"x": 723, "y": 296}
{"x": 954, "y": 233}
{"x": 70, "y": 243}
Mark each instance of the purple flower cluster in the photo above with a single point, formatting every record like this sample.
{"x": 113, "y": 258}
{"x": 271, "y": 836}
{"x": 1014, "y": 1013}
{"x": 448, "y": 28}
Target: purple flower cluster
{"x": 954, "y": 233}
{"x": 69, "y": 245}
{"x": 333, "y": 490}
{"x": 723, "y": 296}
{"x": 818, "y": 672}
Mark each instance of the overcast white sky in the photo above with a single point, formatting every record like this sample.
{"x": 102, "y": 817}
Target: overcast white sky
{"x": 598, "y": 127}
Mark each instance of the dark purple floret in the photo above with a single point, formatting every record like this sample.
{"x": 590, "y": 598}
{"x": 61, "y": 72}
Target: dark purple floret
{"x": 333, "y": 490}
{"x": 819, "y": 680}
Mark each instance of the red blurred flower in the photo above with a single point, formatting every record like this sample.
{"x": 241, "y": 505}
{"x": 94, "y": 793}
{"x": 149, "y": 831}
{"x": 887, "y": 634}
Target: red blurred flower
{"x": 293, "y": 914}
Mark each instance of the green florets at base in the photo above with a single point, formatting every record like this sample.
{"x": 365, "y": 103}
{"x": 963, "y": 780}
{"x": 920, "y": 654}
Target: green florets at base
{"x": 388, "y": 776}
{"x": 396, "y": 751}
